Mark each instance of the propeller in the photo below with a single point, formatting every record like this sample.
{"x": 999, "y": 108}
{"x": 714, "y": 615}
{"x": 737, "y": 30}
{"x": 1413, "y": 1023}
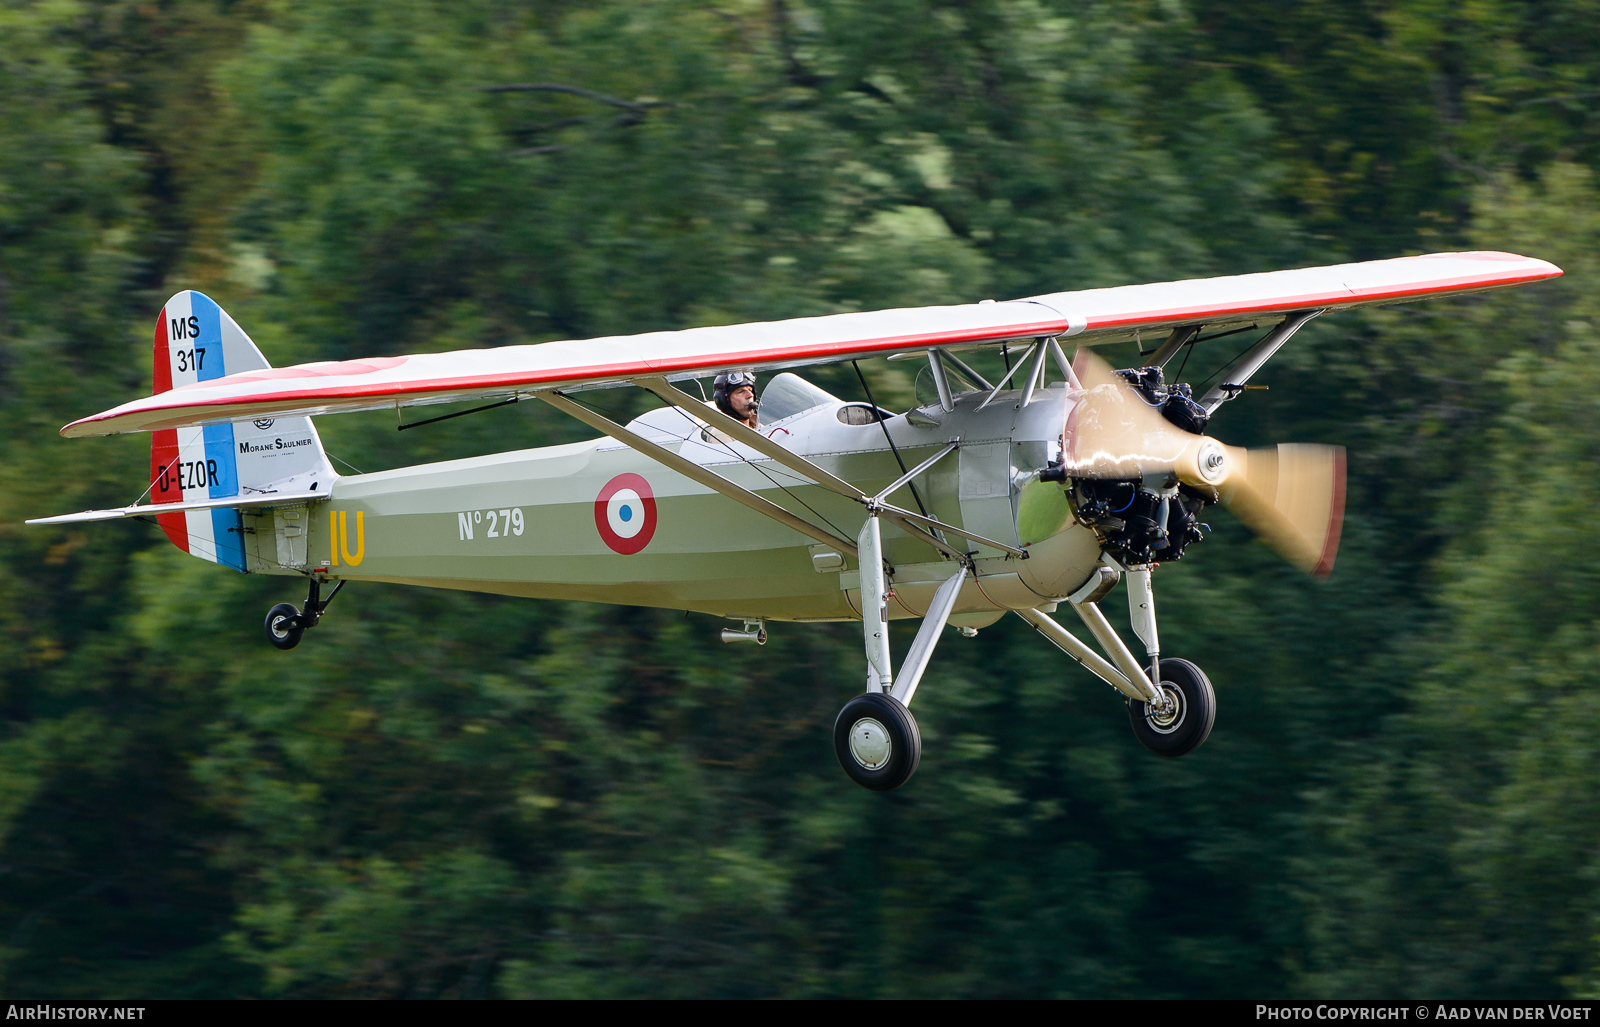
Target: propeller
{"x": 1291, "y": 495}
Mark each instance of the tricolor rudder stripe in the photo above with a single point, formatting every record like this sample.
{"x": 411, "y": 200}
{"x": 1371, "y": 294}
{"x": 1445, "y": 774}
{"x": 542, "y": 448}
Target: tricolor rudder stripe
{"x": 196, "y": 341}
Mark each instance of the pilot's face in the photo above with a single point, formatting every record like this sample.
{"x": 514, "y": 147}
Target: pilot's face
{"x": 743, "y": 400}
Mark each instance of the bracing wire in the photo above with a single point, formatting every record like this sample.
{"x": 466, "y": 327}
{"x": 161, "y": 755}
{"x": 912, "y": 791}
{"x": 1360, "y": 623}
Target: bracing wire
{"x": 761, "y": 471}
{"x": 1225, "y": 365}
{"x": 740, "y": 456}
{"x": 154, "y": 477}
{"x": 1188, "y": 351}
{"x": 888, "y": 438}
{"x": 347, "y": 463}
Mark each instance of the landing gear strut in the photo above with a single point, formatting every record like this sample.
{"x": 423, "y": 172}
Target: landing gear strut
{"x": 875, "y": 736}
{"x": 1171, "y": 704}
{"x": 286, "y": 625}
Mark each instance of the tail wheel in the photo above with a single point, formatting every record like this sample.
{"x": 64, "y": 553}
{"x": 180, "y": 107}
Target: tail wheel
{"x": 877, "y": 741}
{"x": 1185, "y": 724}
{"x": 283, "y": 626}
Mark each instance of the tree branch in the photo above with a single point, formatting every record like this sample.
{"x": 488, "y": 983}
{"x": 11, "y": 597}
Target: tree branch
{"x": 794, "y": 71}
{"x": 554, "y": 126}
{"x": 638, "y": 106}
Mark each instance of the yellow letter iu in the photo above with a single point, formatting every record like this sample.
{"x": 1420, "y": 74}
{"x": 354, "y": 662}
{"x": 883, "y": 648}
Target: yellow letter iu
{"x": 339, "y": 538}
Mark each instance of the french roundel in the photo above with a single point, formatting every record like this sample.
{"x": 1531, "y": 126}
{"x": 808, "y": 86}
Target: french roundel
{"x": 625, "y": 513}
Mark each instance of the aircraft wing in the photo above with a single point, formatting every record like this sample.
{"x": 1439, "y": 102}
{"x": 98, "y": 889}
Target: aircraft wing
{"x": 1095, "y": 316}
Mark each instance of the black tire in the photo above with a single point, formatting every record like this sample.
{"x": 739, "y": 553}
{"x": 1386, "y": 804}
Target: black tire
{"x": 1186, "y": 730}
{"x": 888, "y": 753}
{"x": 283, "y": 626}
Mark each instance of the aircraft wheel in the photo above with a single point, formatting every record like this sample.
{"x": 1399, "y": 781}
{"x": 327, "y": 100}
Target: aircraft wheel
{"x": 1188, "y": 724}
{"x": 877, "y": 741}
{"x": 283, "y": 626}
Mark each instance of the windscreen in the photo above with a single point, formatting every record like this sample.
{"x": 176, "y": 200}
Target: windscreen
{"x": 789, "y": 394}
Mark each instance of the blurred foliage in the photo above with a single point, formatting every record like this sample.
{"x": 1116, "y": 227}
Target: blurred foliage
{"x": 455, "y": 795}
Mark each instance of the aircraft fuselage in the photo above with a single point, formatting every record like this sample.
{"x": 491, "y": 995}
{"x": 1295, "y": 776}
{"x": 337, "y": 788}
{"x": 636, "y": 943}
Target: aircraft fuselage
{"x": 598, "y": 522}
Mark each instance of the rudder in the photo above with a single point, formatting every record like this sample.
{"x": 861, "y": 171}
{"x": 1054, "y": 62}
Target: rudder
{"x": 196, "y": 341}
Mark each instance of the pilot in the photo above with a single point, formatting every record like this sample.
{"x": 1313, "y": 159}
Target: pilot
{"x": 735, "y": 395}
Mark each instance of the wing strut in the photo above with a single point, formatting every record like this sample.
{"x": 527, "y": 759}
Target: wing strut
{"x": 1179, "y": 338}
{"x": 693, "y": 471}
{"x": 908, "y": 520}
{"x": 913, "y": 524}
{"x": 1233, "y": 380}
{"x": 741, "y": 432}
{"x": 1026, "y": 358}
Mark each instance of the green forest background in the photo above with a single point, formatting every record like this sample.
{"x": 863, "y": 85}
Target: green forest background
{"x": 445, "y": 794}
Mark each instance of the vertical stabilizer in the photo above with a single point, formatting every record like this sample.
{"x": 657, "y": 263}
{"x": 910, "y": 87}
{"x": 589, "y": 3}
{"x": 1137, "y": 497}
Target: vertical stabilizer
{"x": 196, "y": 341}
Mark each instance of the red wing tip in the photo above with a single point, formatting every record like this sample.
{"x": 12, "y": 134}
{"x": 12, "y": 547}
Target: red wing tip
{"x": 1330, "y": 545}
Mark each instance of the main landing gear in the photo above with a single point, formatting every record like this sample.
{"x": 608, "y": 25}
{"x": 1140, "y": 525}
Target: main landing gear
{"x": 1181, "y": 724}
{"x": 286, "y": 625}
{"x": 875, "y": 736}
{"x": 877, "y": 741}
{"x": 1171, "y": 705}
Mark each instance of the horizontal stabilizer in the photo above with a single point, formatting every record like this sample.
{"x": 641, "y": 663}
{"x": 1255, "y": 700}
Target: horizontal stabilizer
{"x": 151, "y": 510}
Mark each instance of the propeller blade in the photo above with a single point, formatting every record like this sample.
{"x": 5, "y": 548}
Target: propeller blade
{"x": 1113, "y": 433}
{"x": 1292, "y": 496}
